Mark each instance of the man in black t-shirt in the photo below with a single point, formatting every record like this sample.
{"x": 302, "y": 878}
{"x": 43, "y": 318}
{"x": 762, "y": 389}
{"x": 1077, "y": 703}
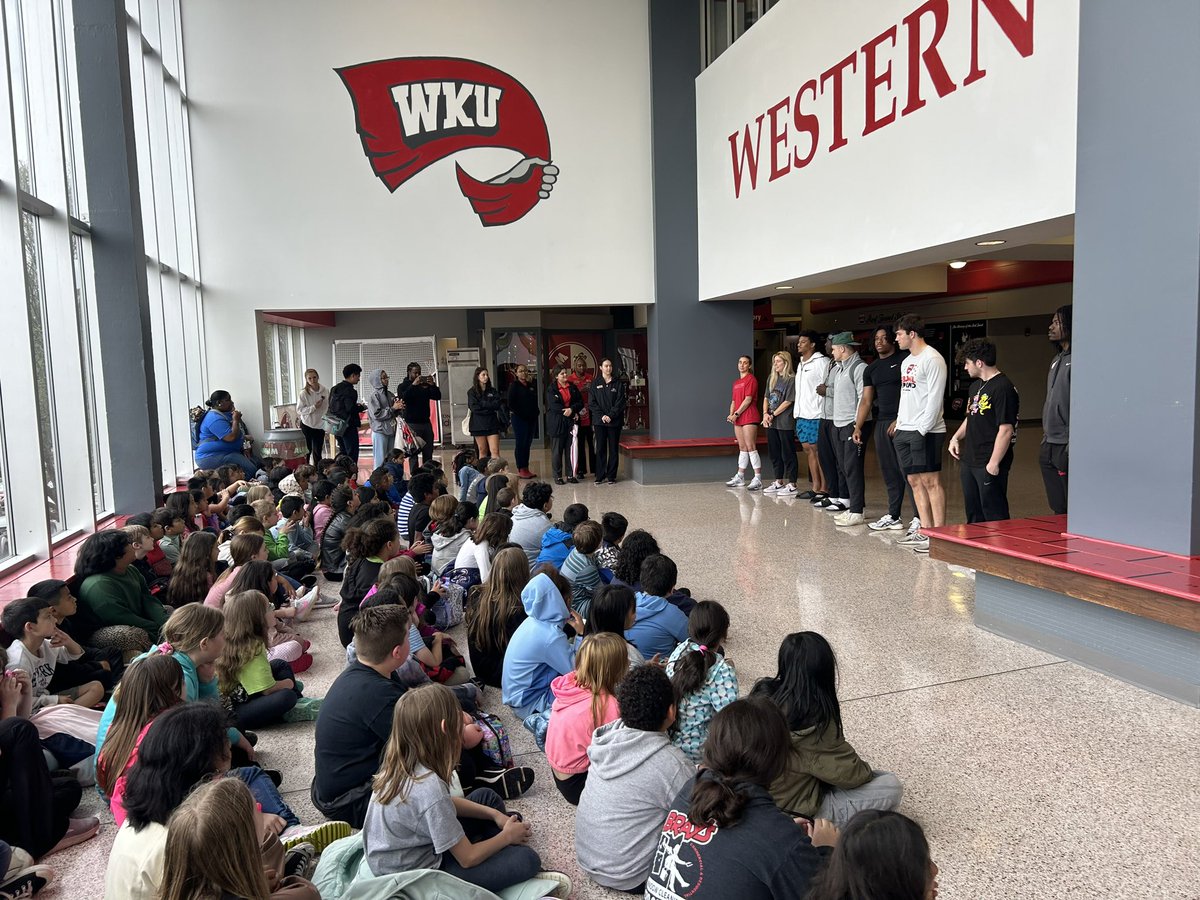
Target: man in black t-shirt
{"x": 881, "y": 401}
{"x": 989, "y": 432}
{"x": 418, "y": 391}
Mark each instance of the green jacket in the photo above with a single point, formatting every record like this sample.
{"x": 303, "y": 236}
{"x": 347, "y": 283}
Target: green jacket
{"x": 277, "y": 545}
{"x": 119, "y": 600}
{"x": 342, "y": 874}
{"x": 817, "y": 762}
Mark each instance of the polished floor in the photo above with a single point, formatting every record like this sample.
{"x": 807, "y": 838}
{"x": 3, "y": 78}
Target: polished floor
{"x": 1033, "y": 777}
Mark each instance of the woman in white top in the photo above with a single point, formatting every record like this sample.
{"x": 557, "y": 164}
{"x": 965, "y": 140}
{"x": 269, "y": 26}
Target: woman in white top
{"x": 311, "y": 406}
{"x": 477, "y": 552}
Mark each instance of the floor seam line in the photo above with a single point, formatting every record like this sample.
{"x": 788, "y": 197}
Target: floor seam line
{"x": 922, "y": 687}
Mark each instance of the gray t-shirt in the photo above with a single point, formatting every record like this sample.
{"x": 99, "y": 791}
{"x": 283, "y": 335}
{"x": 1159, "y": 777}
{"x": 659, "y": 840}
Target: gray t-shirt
{"x": 412, "y": 833}
{"x": 783, "y": 392}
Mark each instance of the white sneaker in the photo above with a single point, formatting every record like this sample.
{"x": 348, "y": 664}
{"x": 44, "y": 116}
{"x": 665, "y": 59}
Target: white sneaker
{"x": 912, "y": 539}
{"x": 886, "y": 523}
{"x": 735, "y": 481}
{"x": 788, "y": 490}
{"x": 848, "y": 518}
{"x": 303, "y": 603}
{"x": 914, "y": 526}
{"x": 755, "y": 485}
{"x": 773, "y": 488}
{"x": 562, "y": 887}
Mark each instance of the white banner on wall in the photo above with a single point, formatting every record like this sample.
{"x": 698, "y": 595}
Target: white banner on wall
{"x": 837, "y": 132}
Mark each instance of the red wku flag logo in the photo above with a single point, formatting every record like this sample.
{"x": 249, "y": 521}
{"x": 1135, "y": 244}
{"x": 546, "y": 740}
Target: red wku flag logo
{"x": 413, "y": 111}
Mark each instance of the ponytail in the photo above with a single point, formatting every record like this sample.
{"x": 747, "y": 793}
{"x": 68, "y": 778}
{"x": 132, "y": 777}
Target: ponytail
{"x": 708, "y": 626}
{"x": 748, "y": 744}
{"x": 464, "y": 512}
{"x": 370, "y": 538}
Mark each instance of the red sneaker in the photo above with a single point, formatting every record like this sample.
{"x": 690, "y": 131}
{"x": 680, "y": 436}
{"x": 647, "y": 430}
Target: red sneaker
{"x": 525, "y": 473}
{"x": 303, "y": 664}
{"x": 305, "y": 644}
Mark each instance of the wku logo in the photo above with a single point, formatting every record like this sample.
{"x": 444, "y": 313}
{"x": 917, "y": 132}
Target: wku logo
{"x": 412, "y": 112}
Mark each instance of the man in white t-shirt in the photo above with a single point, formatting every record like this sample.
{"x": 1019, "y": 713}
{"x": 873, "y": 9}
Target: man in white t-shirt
{"x": 919, "y": 432}
{"x": 812, "y": 366}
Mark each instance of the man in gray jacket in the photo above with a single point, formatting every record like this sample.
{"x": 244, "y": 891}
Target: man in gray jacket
{"x": 1056, "y": 414}
{"x": 634, "y": 774}
{"x": 847, "y": 376}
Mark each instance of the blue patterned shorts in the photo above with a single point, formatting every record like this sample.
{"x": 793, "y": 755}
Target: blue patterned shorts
{"x": 807, "y": 430}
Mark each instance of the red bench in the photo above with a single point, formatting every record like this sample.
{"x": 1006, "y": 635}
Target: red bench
{"x": 1041, "y": 553}
{"x": 643, "y": 446}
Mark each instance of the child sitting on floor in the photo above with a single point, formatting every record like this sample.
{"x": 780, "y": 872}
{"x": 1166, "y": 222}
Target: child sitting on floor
{"x": 614, "y": 610}
{"x": 581, "y": 567}
{"x": 103, "y": 665}
{"x": 258, "y": 690}
{"x": 614, "y": 526}
{"x": 584, "y": 700}
{"x": 36, "y": 647}
{"x": 660, "y": 626}
{"x": 705, "y": 681}
{"x": 413, "y": 822}
{"x": 558, "y": 540}
{"x": 880, "y": 853}
{"x": 824, "y": 776}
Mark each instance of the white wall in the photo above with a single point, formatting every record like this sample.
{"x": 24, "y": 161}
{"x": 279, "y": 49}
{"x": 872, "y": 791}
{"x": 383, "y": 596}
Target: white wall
{"x": 993, "y": 155}
{"x": 292, "y": 217}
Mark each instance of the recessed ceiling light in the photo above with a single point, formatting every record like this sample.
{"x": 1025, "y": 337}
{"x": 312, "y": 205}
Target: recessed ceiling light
{"x": 958, "y": 264}
{"x": 783, "y": 287}
{"x": 989, "y": 243}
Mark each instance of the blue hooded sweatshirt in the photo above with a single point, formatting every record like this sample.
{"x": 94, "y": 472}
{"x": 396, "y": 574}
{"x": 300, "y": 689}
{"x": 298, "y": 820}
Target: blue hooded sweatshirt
{"x": 539, "y": 650}
{"x": 556, "y": 544}
{"x": 659, "y": 628}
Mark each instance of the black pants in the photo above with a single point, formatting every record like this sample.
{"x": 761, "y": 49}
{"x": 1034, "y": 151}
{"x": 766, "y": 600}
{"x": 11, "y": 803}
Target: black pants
{"x": 523, "y": 434}
{"x": 315, "y": 438}
{"x": 267, "y": 709}
{"x": 423, "y": 430}
{"x": 299, "y": 569}
{"x": 782, "y": 449}
{"x": 889, "y": 466}
{"x": 347, "y": 443}
{"x": 349, "y": 807}
{"x": 560, "y": 450}
{"x": 827, "y": 455}
{"x": 73, "y": 673}
{"x": 986, "y": 496}
{"x": 1053, "y": 459}
{"x": 586, "y": 451}
{"x": 35, "y": 808}
{"x": 608, "y": 450}
{"x": 571, "y": 788}
{"x": 850, "y": 464}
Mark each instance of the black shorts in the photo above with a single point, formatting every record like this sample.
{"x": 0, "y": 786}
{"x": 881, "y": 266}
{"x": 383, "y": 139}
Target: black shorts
{"x": 919, "y": 453}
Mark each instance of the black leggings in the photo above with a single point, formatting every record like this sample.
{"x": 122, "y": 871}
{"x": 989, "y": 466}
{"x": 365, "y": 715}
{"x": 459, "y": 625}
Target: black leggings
{"x": 782, "y": 450}
{"x": 268, "y": 709}
{"x": 608, "y": 448}
{"x": 316, "y": 442}
{"x": 35, "y": 808}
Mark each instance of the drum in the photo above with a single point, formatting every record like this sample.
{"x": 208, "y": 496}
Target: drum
{"x": 286, "y": 443}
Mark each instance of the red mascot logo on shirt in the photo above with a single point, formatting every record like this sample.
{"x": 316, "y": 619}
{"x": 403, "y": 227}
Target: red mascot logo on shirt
{"x": 412, "y": 112}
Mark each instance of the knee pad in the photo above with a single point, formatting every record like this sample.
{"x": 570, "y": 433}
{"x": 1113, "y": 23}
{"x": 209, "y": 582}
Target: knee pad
{"x": 743, "y": 460}
{"x": 755, "y": 459}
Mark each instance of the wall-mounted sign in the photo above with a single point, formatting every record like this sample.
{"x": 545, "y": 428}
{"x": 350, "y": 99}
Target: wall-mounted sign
{"x": 411, "y": 112}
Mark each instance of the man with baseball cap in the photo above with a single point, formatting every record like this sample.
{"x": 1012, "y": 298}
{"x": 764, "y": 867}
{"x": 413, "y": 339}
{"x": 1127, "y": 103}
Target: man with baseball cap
{"x": 847, "y": 378}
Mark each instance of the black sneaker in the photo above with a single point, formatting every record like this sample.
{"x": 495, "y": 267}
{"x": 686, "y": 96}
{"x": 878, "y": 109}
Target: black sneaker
{"x": 807, "y": 495}
{"x": 599, "y": 481}
{"x": 251, "y": 738}
{"x": 27, "y": 882}
{"x": 309, "y": 581}
{"x": 559, "y": 481}
{"x": 300, "y": 860}
{"x": 818, "y": 498}
{"x": 508, "y": 783}
{"x": 572, "y": 480}
{"x": 275, "y": 775}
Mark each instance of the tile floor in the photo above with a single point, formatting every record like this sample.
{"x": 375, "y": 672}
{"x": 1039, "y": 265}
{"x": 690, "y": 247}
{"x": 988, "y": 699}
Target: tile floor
{"x": 1033, "y": 777}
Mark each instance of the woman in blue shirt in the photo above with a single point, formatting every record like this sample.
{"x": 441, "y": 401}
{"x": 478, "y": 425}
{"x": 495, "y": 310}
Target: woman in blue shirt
{"x": 221, "y": 437}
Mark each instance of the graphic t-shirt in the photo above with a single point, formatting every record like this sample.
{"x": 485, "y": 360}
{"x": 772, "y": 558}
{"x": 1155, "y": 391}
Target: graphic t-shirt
{"x": 884, "y": 375}
{"x": 990, "y": 404}
{"x": 922, "y": 393}
{"x": 764, "y": 856}
{"x": 783, "y": 392}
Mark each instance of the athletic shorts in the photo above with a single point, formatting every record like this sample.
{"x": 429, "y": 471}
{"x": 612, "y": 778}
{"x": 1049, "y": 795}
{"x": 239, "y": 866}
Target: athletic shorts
{"x": 807, "y": 430}
{"x": 919, "y": 453}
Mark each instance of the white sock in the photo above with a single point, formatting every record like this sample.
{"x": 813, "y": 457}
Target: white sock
{"x": 756, "y": 462}
{"x": 743, "y": 459}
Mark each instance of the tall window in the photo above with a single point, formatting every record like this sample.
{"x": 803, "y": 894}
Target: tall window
{"x": 53, "y": 479}
{"x": 160, "y": 105}
{"x": 283, "y": 350}
{"x": 724, "y": 21}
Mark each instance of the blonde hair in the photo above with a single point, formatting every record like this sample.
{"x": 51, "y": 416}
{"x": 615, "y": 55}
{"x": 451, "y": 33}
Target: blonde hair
{"x": 257, "y": 492}
{"x": 426, "y": 731}
{"x": 245, "y": 636}
{"x": 137, "y": 533}
{"x": 494, "y": 465}
{"x": 443, "y": 508}
{"x": 212, "y": 849}
{"x": 600, "y": 664}
{"x": 247, "y": 525}
{"x": 262, "y": 509}
{"x": 787, "y": 368}
{"x": 394, "y": 566}
{"x": 191, "y": 624}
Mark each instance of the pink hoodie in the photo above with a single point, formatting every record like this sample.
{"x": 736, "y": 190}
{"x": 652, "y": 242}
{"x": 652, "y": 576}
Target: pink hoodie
{"x": 570, "y": 731}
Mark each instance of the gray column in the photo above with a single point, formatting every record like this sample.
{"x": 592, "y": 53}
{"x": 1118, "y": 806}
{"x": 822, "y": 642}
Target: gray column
{"x": 1134, "y": 460}
{"x": 693, "y": 346}
{"x": 118, "y": 252}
